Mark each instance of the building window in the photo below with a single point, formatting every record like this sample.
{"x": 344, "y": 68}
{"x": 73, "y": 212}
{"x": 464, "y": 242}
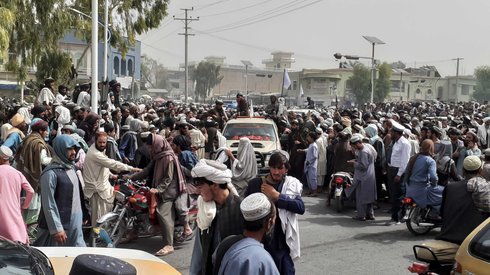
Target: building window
{"x": 295, "y": 85}
{"x": 116, "y": 65}
{"x": 123, "y": 67}
{"x": 440, "y": 90}
{"x": 130, "y": 67}
{"x": 429, "y": 92}
{"x": 465, "y": 89}
{"x": 417, "y": 91}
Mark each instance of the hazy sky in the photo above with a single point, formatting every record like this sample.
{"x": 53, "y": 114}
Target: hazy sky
{"x": 417, "y": 32}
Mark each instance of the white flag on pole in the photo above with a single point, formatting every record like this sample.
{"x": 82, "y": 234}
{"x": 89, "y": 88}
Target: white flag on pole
{"x": 301, "y": 92}
{"x": 287, "y": 80}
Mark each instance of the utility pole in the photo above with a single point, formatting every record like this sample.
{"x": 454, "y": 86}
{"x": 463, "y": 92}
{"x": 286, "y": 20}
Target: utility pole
{"x": 186, "y": 34}
{"x": 457, "y": 75}
{"x": 95, "y": 56}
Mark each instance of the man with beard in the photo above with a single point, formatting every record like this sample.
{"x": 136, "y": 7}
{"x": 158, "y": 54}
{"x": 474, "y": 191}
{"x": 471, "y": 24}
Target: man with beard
{"x": 245, "y": 254}
{"x": 218, "y": 216}
{"x": 285, "y": 192}
{"x": 273, "y": 108}
{"x": 116, "y": 92}
{"x": 62, "y": 206}
{"x": 221, "y": 116}
{"x": 78, "y": 115}
{"x": 96, "y": 173}
{"x": 242, "y": 108}
{"x": 62, "y": 96}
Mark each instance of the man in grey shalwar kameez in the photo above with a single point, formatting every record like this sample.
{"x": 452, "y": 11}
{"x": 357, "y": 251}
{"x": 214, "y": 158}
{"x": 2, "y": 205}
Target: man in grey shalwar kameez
{"x": 364, "y": 183}
{"x": 62, "y": 205}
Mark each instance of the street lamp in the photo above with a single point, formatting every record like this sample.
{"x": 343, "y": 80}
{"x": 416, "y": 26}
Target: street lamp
{"x": 373, "y": 40}
{"x": 247, "y": 64}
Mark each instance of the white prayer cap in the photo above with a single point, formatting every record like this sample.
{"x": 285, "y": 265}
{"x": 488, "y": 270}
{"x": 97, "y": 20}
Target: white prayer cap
{"x": 255, "y": 207}
{"x": 5, "y": 152}
{"x": 282, "y": 152}
{"x": 470, "y": 163}
{"x": 145, "y": 134}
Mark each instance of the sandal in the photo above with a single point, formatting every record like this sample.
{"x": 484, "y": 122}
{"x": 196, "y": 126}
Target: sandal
{"x": 165, "y": 251}
{"x": 184, "y": 237}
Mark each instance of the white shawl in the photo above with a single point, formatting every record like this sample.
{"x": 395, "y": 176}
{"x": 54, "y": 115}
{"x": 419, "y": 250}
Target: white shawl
{"x": 292, "y": 187}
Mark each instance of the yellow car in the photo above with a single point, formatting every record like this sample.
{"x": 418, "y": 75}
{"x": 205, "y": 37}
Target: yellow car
{"x": 17, "y": 258}
{"x": 473, "y": 256}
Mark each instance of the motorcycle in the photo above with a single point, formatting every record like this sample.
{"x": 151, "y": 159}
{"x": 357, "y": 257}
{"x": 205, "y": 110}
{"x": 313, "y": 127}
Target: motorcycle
{"x": 339, "y": 182}
{"x": 418, "y": 220}
{"x": 436, "y": 257}
{"x": 130, "y": 214}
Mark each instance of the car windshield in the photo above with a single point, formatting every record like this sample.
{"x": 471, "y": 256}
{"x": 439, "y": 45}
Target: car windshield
{"x": 480, "y": 245}
{"x": 15, "y": 259}
{"x": 256, "y": 131}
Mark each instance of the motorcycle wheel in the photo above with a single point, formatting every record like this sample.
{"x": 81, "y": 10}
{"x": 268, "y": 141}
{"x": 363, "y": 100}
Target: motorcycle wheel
{"x": 339, "y": 204}
{"x": 413, "y": 222}
{"x": 108, "y": 226}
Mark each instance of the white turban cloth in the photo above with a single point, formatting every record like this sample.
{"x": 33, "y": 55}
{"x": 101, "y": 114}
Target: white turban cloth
{"x": 212, "y": 170}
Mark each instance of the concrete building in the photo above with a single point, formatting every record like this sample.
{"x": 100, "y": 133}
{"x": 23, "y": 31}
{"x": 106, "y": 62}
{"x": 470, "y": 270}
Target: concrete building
{"x": 119, "y": 67}
{"x": 279, "y": 60}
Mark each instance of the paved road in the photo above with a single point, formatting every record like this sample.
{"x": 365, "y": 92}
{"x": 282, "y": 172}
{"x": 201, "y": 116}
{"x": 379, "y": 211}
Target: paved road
{"x": 331, "y": 243}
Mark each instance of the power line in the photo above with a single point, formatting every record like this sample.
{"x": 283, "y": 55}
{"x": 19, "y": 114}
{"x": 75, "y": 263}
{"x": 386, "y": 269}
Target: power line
{"x": 269, "y": 50}
{"x": 162, "y": 50}
{"x": 237, "y": 10}
{"x": 261, "y": 20}
{"x": 205, "y": 6}
{"x": 259, "y": 15}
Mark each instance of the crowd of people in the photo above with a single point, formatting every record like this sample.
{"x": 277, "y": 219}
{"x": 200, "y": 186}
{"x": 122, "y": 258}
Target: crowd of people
{"x": 63, "y": 155}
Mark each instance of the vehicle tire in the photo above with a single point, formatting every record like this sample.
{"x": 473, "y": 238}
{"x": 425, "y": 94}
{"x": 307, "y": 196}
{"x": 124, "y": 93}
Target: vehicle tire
{"x": 413, "y": 222}
{"x": 339, "y": 204}
{"x": 108, "y": 226}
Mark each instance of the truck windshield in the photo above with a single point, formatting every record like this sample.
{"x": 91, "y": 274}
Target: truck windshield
{"x": 259, "y": 131}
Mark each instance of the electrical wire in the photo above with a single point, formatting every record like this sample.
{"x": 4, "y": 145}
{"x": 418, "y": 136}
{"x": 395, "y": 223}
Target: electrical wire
{"x": 260, "y": 15}
{"x": 162, "y": 50}
{"x": 269, "y": 50}
{"x": 260, "y": 20}
{"x": 236, "y": 10}
{"x": 205, "y": 6}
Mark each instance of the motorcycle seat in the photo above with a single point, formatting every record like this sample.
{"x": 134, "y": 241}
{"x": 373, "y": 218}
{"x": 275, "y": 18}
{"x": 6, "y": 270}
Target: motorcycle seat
{"x": 443, "y": 251}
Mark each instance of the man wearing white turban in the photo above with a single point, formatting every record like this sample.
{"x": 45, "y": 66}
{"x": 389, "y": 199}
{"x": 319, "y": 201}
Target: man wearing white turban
{"x": 219, "y": 213}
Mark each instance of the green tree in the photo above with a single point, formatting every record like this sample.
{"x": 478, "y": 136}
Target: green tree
{"x": 7, "y": 20}
{"x": 40, "y": 24}
{"x": 360, "y": 83}
{"x": 154, "y": 74}
{"x": 383, "y": 82}
{"x": 55, "y": 64}
{"x": 206, "y": 76}
{"x": 482, "y": 89}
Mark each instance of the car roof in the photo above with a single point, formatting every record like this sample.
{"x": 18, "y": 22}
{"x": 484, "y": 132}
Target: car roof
{"x": 62, "y": 258}
{"x": 250, "y": 120}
